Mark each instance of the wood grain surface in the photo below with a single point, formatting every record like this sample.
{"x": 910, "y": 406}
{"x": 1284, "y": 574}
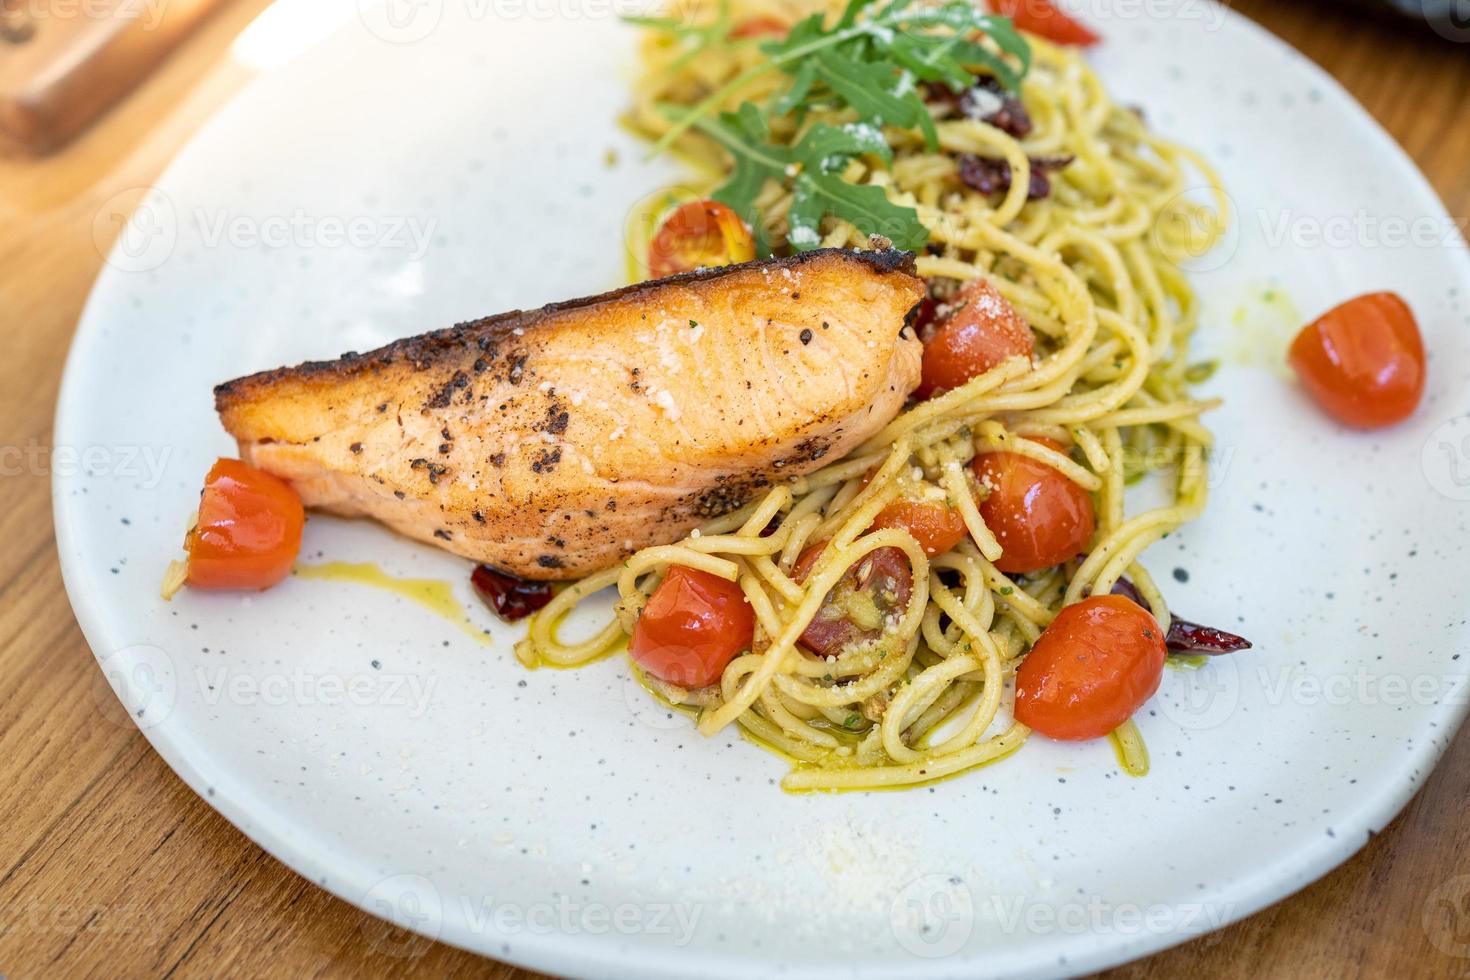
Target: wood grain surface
{"x": 60, "y": 68}
{"x": 110, "y": 866}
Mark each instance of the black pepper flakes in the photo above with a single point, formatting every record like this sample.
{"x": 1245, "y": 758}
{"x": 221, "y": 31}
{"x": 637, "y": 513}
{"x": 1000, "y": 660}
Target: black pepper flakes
{"x": 445, "y": 394}
{"x": 435, "y": 470}
{"x": 517, "y": 369}
{"x": 806, "y": 336}
{"x": 557, "y": 418}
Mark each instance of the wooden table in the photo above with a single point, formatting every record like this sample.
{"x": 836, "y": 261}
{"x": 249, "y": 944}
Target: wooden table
{"x": 110, "y": 866}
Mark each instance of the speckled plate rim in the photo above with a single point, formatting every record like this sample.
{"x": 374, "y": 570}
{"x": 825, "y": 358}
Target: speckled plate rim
{"x": 274, "y": 830}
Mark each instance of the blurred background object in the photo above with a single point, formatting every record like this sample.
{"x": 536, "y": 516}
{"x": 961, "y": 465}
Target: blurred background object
{"x": 63, "y": 62}
{"x": 1448, "y": 18}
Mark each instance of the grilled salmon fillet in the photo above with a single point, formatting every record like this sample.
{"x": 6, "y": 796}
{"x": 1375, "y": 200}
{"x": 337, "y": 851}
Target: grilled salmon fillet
{"x": 551, "y": 444}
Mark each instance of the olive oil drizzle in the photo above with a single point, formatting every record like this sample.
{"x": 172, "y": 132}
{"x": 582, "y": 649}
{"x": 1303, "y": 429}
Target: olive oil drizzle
{"x": 435, "y": 595}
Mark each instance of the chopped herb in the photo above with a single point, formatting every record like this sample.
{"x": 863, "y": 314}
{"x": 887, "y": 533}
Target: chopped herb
{"x": 1201, "y": 372}
{"x": 1007, "y": 590}
{"x": 693, "y": 324}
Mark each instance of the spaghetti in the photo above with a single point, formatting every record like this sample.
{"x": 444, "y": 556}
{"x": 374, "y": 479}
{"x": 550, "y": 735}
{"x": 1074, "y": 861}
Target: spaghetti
{"x": 1094, "y": 269}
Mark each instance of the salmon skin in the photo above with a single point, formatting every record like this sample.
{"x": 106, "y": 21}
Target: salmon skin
{"x": 552, "y": 444}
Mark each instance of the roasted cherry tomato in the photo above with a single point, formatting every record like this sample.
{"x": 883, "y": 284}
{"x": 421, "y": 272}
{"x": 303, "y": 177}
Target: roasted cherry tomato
{"x": 1091, "y": 669}
{"x": 1363, "y": 361}
{"x": 761, "y": 27}
{"x": 1044, "y": 19}
{"x": 693, "y": 625}
{"x": 1040, "y": 517}
{"x": 934, "y": 524}
{"x": 980, "y": 330}
{"x": 859, "y": 605}
{"x": 699, "y": 235}
{"x": 249, "y": 529}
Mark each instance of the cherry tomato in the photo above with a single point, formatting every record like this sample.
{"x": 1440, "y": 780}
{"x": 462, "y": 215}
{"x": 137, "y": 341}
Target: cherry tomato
{"x": 859, "y": 605}
{"x": 699, "y": 235}
{"x": 693, "y": 625}
{"x": 1040, "y": 517}
{"x": 1091, "y": 669}
{"x": 1044, "y": 19}
{"x": 982, "y": 330}
{"x": 761, "y": 27}
{"x": 1363, "y": 361}
{"x": 935, "y": 525}
{"x": 249, "y": 529}
{"x": 924, "y": 317}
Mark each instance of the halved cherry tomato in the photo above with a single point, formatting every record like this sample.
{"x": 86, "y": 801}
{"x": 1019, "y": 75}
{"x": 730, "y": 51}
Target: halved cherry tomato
{"x": 1363, "y": 361}
{"x": 693, "y": 625}
{"x": 858, "y": 607}
{"x": 1044, "y": 19}
{"x": 934, "y": 524}
{"x": 249, "y": 529}
{"x": 1039, "y": 517}
{"x": 699, "y": 235}
{"x": 761, "y": 27}
{"x": 1091, "y": 669}
{"x": 980, "y": 332}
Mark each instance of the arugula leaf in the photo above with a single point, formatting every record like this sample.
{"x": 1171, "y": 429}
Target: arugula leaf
{"x": 813, "y": 167}
{"x": 836, "y": 145}
{"x": 801, "y": 86}
{"x": 865, "y": 205}
{"x": 870, "y": 88}
{"x": 870, "y": 62}
{"x": 756, "y": 161}
{"x": 927, "y": 43}
{"x": 695, "y": 38}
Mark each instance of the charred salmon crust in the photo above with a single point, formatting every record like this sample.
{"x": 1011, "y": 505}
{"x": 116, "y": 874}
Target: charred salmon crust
{"x": 553, "y": 443}
{"x": 424, "y": 351}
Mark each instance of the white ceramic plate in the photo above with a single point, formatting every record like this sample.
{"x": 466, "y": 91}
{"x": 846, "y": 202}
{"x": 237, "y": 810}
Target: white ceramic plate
{"x": 561, "y": 820}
